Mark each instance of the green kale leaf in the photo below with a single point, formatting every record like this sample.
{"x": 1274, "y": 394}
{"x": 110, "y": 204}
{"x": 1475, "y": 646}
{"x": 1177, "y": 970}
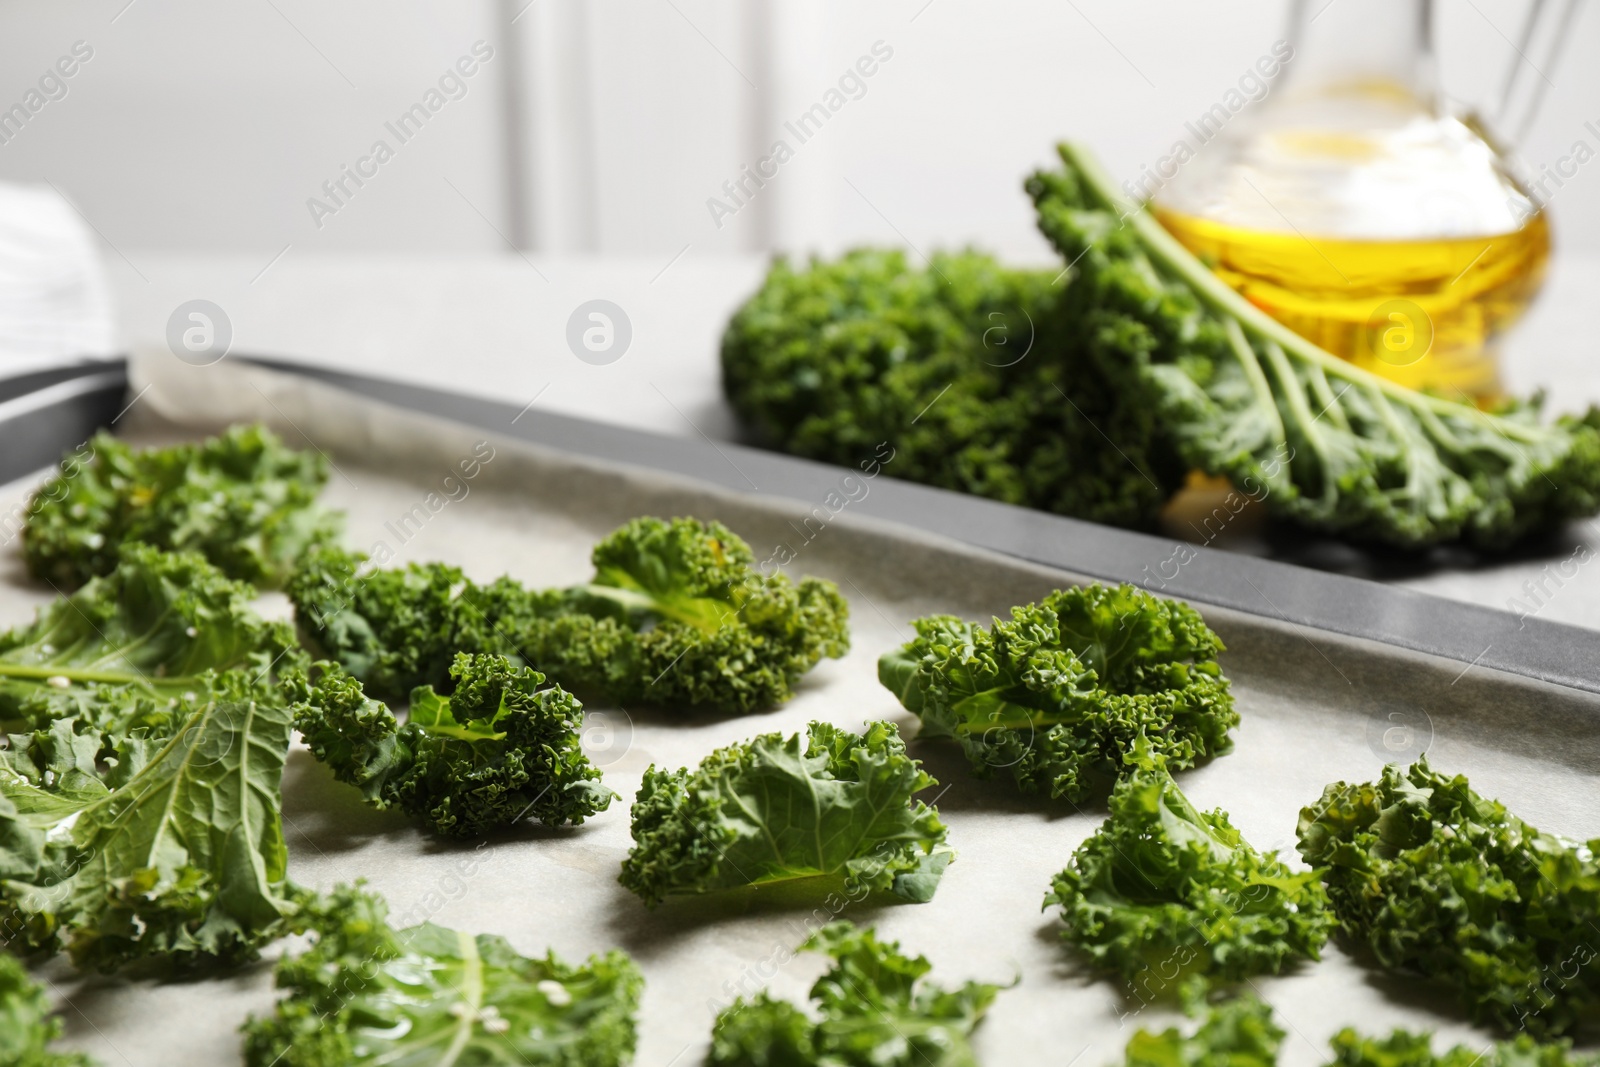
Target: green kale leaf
{"x": 243, "y": 500}
{"x": 1239, "y": 1032}
{"x": 828, "y": 803}
{"x": 392, "y": 629}
{"x": 1059, "y": 693}
{"x": 127, "y": 647}
{"x": 498, "y": 750}
{"x": 966, "y": 375}
{"x": 180, "y": 865}
{"x": 677, "y": 615}
{"x": 1404, "y": 1049}
{"x": 1440, "y": 881}
{"x": 1325, "y": 443}
{"x": 365, "y": 994}
{"x": 28, "y": 860}
{"x": 1166, "y": 894}
{"x": 27, "y": 1026}
{"x": 876, "y": 1011}
{"x": 92, "y": 693}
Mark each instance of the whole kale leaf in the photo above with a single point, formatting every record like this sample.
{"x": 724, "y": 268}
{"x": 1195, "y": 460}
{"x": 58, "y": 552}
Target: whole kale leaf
{"x": 876, "y": 1011}
{"x": 1059, "y": 693}
{"x": 27, "y": 1026}
{"x": 678, "y": 615}
{"x": 366, "y": 994}
{"x": 95, "y": 690}
{"x": 500, "y": 749}
{"x": 180, "y": 865}
{"x": 827, "y": 803}
{"x": 1440, "y": 881}
{"x": 1325, "y": 443}
{"x": 242, "y": 499}
{"x": 1168, "y": 895}
{"x": 966, "y": 375}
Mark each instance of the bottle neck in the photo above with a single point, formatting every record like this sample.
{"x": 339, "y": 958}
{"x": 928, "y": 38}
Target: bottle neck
{"x": 1363, "y": 46}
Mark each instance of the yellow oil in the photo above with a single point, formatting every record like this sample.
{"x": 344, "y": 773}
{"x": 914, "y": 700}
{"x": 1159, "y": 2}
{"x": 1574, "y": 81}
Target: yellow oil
{"x": 1424, "y": 313}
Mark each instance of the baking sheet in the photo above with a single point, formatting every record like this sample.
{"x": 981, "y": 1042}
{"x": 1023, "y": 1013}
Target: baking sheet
{"x": 1316, "y": 707}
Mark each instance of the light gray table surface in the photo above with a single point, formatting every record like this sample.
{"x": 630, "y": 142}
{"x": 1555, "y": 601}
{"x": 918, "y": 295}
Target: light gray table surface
{"x": 497, "y": 326}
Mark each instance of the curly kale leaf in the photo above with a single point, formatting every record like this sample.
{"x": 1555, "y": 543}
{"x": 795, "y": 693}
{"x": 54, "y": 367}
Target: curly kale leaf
{"x": 1404, "y": 1049}
{"x": 243, "y": 500}
{"x": 103, "y": 675}
{"x": 394, "y": 629}
{"x": 30, "y": 860}
{"x": 500, "y": 749}
{"x": 181, "y": 865}
{"x": 1242, "y": 1033}
{"x": 1166, "y": 894}
{"x": 876, "y": 1011}
{"x": 1059, "y": 693}
{"x": 26, "y": 1025}
{"x": 94, "y": 691}
{"x": 677, "y": 615}
{"x": 965, "y": 369}
{"x": 1326, "y": 443}
{"x": 124, "y": 649}
{"x": 776, "y": 809}
{"x": 1440, "y": 881}
{"x": 366, "y": 994}
{"x": 1235, "y": 1033}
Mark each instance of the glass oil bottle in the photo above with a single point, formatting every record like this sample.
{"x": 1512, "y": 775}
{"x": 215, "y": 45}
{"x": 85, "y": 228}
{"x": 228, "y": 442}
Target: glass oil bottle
{"x": 1352, "y": 207}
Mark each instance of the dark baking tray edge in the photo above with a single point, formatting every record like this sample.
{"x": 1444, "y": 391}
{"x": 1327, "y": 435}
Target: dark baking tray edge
{"x": 36, "y": 428}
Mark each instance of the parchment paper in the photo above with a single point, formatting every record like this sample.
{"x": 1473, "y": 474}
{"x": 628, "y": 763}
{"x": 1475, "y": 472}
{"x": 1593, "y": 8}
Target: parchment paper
{"x": 1316, "y": 708}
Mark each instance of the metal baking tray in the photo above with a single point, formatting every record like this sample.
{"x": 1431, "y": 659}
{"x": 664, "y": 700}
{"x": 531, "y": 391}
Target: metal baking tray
{"x": 1333, "y": 678}
{"x": 44, "y": 414}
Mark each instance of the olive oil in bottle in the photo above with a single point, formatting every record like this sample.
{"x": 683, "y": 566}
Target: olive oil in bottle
{"x": 1349, "y": 206}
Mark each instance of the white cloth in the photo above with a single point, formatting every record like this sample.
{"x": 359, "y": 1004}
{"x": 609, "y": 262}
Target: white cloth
{"x": 54, "y": 301}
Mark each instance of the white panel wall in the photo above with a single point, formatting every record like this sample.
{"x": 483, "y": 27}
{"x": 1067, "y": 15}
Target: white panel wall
{"x": 207, "y": 124}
